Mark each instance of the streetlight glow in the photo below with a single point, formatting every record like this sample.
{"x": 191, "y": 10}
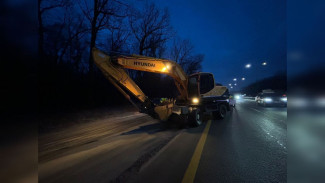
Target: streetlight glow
{"x": 235, "y": 79}
{"x": 243, "y": 79}
{"x": 229, "y": 84}
{"x": 264, "y": 63}
{"x": 248, "y": 66}
{"x": 235, "y": 84}
{"x": 231, "y": 87}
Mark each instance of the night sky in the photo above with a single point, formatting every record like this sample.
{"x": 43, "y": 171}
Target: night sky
{"x": 232, "y": 33}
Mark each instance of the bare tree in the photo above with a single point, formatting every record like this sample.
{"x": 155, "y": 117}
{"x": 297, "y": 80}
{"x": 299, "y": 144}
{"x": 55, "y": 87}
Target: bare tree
{"x": 99, "y": 14}
{"x": 182, "y": 52}
{"x": 63, "y": 38}
{"x": 54, "y": 41}
{"x": 43, "y": 7}
{"x": 151, "y": 28}
{"x": 119, "y": 35}
{"x": 75, "y": 31}
{"x": 194, "y": 64}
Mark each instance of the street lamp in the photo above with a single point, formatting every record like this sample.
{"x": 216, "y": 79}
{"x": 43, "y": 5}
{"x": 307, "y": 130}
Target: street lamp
{"x": 235, "y": 79}
{"x": 243, "y": 79}
{"x": 235, "y": 84}
{"x": 248, "y": 66}
{"x": 229, "y": 84}
{"x": 231, "y": 87}
{"x": 264, "y": 63}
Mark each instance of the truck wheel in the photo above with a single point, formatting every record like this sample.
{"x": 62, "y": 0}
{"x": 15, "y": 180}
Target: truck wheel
{"x": 183, "y": 121}
{"x": 195, "y": 118}
{"x": 221, "y": 113}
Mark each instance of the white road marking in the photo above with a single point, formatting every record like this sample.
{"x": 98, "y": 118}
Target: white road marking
{"x": 277, "y": 141}
{"x": 268, "y": 133}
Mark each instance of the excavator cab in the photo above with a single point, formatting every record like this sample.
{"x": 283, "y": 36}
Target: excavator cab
{"x": 198, "y": 85}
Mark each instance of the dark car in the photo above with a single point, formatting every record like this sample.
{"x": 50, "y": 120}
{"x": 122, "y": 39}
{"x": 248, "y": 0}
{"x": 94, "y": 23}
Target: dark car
{"x": 271, "y": 99}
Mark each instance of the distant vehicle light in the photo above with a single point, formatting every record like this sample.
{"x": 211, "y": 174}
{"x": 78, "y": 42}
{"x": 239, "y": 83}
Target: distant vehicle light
{"x": 195, "y": 100}
{"x": 237, "y": 97}
{"x": 248, "y": 66}
{"x": 268, "y": 100}
{"x": 284, "y": 99}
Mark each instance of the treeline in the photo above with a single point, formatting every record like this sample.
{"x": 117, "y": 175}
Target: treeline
{"x": 69, "y": 29}
{"x": 278, "y": 82}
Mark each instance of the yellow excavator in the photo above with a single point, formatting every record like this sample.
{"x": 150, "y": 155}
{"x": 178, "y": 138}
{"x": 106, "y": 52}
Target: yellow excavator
{"x": 198, "y": 92}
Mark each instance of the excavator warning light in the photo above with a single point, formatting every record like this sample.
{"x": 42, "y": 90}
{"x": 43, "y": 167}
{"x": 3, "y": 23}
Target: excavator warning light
{"x": 166, "y": 68}
{"x": 195, "y": 100}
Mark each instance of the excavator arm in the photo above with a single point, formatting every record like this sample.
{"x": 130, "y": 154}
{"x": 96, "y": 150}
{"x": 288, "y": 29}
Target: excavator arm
{"x": 116, "y": 75}
{"x": 113, "y": 67}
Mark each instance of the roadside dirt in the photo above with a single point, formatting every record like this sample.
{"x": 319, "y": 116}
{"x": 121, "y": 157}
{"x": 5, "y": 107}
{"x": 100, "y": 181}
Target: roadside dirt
{"x": 107, "y": 147}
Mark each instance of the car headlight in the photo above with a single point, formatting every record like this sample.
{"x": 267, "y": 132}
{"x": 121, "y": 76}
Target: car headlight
{"x": 284, "y": 99}
{"x": 195, "y": 100}
{"x": 268, "y": 100}
{"x": 237, "y": 97}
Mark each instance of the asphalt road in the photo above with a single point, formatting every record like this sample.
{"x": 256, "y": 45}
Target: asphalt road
{"x": 249, "y": 145}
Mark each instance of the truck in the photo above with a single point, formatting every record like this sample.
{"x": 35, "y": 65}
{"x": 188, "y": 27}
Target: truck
{"x": 198, "y": 92}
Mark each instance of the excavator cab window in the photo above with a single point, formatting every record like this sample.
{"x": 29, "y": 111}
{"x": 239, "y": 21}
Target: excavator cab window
{"x": 193, "y": 90}
{"x": 206, "y": 83}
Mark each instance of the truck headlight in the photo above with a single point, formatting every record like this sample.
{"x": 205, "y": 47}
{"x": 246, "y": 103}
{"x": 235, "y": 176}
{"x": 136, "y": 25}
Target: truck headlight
{"x": 268, "y": 100}
{"x": 195, "y": 100}
{"x": 284, "y": 99}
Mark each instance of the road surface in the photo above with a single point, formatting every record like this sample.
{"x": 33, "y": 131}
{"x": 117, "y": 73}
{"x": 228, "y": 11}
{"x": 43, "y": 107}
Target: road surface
{"x": 248, "y": 146}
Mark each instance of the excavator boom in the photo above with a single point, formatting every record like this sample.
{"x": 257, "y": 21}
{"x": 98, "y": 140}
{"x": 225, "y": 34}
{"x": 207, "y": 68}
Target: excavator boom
{"x": 160, "y": 66}
{"x": 113, "y": 68}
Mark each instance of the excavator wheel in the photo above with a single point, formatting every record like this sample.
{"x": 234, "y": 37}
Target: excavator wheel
{"x": 195, "y": 118}
{"x": 221, "y": 113}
